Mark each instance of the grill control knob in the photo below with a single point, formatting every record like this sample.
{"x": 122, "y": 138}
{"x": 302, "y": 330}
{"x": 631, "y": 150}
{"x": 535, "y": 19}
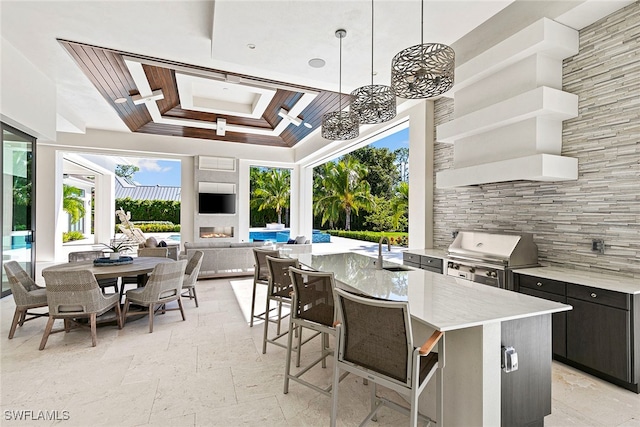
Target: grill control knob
{"x": 456, "y": 266}
{"x": 492, "y": 274}
{"x": 450, "y": 265}
{"x": 472, "y": 270}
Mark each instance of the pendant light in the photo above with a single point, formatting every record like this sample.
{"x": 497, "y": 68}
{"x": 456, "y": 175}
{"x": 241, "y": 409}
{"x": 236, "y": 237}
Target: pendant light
{"x": 340, "y": 125}
{"x": 374, "y": 103}
{"x": 424, "y": 70}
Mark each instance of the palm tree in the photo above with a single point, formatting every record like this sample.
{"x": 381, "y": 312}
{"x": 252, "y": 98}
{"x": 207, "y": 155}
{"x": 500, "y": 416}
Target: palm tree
{"x": 400, "y": 202}
{"x": 72, "y": 203}
{"x": 330, "y": 212}
{"x": 345, "y": 189}
{"x": 273, "y": 191}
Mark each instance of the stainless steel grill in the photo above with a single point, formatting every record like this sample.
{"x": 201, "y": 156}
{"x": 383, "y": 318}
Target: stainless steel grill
{"x": 489, "y": 258}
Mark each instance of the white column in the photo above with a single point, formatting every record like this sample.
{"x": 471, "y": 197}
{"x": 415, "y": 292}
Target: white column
{"x": 187, "y": 200}
{"x": 421, "y": 143}
{"x": 105, "y": 208}
{"x": 301, "y": 206}
{"x": 48, "y": 184}
{"x": 244, "y": 197}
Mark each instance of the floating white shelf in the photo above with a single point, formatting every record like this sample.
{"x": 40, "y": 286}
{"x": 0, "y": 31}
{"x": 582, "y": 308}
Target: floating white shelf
{"x": 538, "y": 167}
{"x": 540, "y": 102}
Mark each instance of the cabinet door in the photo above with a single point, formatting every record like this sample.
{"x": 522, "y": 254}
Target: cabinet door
{"x": 598, "y": 337}
{"x": 558, "y": 321}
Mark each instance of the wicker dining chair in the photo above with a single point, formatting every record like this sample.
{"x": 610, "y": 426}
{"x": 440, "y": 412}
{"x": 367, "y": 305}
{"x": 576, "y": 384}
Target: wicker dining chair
{"x": 143, "y": 252}
{"x": 279, "y": 290}
{"x": 191, "y": 276}
{"x": 375, "y": 342}
{"x": 26, "y": 294}
{"x": 75, "y": 294}
{"x": 90, "y": 256}
{"x": 164, "y": 285}
{"x": 260, "y": 277}
{"x": 312, "y": 308}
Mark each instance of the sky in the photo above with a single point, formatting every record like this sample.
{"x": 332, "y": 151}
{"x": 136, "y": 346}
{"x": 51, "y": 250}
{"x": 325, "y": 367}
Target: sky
{"x": 167, "y": 172}
{"x": 157, "y": 172}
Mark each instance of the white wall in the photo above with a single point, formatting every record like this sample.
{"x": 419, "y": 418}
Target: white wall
{"x": 28, "y": 97}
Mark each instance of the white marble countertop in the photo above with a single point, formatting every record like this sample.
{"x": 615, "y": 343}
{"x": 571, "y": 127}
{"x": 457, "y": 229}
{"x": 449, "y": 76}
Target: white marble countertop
{"x": 442, "y": 302}
{"x": 628, "y": 285}
{"x": 436, "y": 253}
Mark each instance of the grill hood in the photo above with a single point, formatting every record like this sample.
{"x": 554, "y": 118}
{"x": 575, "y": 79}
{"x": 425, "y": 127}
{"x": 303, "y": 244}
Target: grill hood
{"x": 508, "y": 250}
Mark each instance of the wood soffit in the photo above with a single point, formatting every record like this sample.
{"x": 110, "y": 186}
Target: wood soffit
{"x": 107, "y": 70}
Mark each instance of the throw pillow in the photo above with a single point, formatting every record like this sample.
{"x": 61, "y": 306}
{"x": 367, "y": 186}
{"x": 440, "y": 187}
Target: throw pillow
{"x": 300, "y": 240}
{"x": 151, "y": 242}
{"x": 291, "y": 241}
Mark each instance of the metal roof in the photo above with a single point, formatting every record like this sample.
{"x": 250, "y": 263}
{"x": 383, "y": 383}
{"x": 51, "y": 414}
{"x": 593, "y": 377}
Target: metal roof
{"x": 145, "y": 192}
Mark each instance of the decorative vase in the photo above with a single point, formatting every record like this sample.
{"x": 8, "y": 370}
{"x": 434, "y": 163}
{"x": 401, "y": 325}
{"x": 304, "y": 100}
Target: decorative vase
{"x": 114, "y": 255}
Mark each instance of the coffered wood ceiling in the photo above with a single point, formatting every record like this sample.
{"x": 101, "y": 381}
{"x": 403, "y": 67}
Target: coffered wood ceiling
{"x": 109, "y": 73}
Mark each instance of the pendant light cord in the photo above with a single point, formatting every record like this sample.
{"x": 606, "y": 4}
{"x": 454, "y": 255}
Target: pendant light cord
{"x": 340, "y": 80}
{"x": 372, "y": 21}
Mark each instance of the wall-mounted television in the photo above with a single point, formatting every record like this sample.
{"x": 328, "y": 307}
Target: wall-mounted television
{"x": 216, "y": 203}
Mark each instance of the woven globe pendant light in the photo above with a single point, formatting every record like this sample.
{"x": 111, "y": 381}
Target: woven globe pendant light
{"x": 340, "y": 125}
{"x": 373, "y": 103}
{"x": 423, "y": 71}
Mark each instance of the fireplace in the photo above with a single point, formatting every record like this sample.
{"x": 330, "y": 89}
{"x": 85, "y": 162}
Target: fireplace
{"x": 216, "y": 232}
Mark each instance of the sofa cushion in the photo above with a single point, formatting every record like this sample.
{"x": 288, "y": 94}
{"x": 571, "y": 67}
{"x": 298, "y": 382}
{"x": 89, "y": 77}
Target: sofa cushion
{"x": 197, "y": 245}
{"x": 247, "y": 244}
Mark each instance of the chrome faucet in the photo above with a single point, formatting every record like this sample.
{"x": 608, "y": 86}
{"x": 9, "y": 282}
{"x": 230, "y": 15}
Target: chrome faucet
{"x": 382, "y": 239}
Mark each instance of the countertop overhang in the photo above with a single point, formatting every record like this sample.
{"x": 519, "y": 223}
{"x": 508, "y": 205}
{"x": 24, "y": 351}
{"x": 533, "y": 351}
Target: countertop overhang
{"x": 441, "y": 302}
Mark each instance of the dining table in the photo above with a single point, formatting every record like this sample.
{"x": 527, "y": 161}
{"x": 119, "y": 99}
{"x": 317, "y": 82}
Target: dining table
{"x": 139, "y": 266}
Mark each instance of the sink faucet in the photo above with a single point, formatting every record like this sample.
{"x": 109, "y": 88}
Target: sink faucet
{"x": 382, "y": 239}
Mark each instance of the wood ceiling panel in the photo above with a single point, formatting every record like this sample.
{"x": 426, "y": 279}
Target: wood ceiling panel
{"x": 108, "y": 72}
{"x": 190, "y": 132}
{"x": 163, "y": 79}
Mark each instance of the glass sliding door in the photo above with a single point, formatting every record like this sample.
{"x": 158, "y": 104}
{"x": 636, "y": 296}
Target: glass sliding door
{"x": 18, "y": 200}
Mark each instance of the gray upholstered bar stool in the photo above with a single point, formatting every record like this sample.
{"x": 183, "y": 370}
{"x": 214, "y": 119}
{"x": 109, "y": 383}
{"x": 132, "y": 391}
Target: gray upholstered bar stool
{"x": 260, "y": 277}
{"x": 279, "y": 291}
{"x": 312, "y": 308}
{"x": 375, "y": 342}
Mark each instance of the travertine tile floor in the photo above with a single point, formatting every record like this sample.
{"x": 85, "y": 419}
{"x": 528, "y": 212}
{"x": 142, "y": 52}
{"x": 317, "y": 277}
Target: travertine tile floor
{"x": 209, "y": 370}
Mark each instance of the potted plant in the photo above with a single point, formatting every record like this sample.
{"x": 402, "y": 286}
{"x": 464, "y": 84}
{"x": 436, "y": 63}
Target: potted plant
{"x": 117, "y": 248}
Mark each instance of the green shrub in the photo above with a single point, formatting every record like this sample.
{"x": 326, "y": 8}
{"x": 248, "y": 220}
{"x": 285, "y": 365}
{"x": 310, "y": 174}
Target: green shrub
{"x": 396, "y": 238}
{"x": 72, "y": 235}
{"x": 150, "y": 210}
{"x": 154, "y": 227}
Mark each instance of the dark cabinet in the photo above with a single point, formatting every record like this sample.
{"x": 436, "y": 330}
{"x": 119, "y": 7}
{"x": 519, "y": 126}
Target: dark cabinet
{"x": 558, "y": 321}
{"x": 412, "y": 260}
{"x": 551, "y": 290}
{"x": 431, "y": 264}
{"x": 424, "y": 262}
{"x": 600, "y": 335}
{"x": 599, "y": 331}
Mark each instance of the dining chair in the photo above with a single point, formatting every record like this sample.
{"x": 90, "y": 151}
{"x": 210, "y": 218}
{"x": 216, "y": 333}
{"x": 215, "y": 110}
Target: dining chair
{"x": 191, "y": 276}
{"x": 90, "y": 256}
{"x": 279, "y": 290}
{"x": 260, "y": 276}
{"x": 143, "y": 252}
{"x": 164, "y": 285}
{"x": 153, "y": 252}
{"x": 312, "y": 308}
{"x": 375, "y": 342}
{"x": 26, "y": 295}
{"x": 76, "y": 294}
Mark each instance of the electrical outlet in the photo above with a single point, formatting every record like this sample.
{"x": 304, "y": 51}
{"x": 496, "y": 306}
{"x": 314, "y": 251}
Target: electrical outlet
{"x": 597, "y": 245}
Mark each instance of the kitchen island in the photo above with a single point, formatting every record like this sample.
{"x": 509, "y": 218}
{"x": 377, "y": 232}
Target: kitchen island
{"x": 478, "y": 320}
